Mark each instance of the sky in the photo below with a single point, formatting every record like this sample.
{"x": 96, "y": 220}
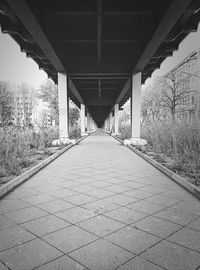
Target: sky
{"x": 17, "y": 68}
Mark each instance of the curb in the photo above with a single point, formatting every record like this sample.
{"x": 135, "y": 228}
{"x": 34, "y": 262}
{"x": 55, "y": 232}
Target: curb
{"x": 173, "y": 176}
{"x": 26, "y": 175}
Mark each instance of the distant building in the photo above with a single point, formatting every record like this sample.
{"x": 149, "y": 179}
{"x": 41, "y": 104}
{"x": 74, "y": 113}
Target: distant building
{"x": 29, "y": 110}
{"x": 187, "y": 73}
{"x": 25, "y": 102}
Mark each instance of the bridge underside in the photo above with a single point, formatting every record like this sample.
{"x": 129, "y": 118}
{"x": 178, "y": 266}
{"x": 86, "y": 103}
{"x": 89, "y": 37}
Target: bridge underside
{"x": 99, "y": 44}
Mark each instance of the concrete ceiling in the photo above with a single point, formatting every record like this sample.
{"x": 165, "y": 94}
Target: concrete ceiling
{"x": 99, "y": 43}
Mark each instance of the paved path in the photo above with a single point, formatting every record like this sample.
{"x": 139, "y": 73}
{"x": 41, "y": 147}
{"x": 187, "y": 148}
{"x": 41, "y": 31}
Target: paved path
{"x": 100, "y": 207}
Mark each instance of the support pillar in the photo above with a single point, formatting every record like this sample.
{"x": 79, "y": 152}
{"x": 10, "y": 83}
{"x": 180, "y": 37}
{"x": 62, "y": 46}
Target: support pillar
{"x": 82, "y": 119}
{"x": 110, "y": 127}
{"x": 88, "y": 122}
{"x": 63, "y": 108}
{"x": 116, "y": 115}
{"x": 136, "y": 110}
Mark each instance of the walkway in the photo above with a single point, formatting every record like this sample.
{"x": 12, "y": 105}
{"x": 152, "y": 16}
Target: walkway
{"x": 100, "y": 207}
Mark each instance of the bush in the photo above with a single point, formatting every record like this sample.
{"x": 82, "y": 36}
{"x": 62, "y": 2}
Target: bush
{"x": 75, "y": 132}
{"x": 17, "y": 145}
{"x": 125, "y": 131}
{"x": 178, "y": 140}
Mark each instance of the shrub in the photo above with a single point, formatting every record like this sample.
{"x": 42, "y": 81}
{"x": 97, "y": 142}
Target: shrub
{"x": 75, "y": 132}
{"x": 178, "y": 140}
{"x": 125, "y": 131}
{"x": 17, "y": 145}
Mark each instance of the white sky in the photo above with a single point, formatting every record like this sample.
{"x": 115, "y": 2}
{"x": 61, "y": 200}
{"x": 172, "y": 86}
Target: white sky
{"x": 16, "y": 67}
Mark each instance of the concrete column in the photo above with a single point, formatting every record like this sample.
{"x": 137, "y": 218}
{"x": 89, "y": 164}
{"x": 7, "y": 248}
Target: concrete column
{"x": 82, "y": 119}
{"x": 63, "y": 107}
{"x": 116, "y": 115}
{"x": 88, "y": 122}
{"x": 136, "y": 110}
{"x": 110, "y": 127}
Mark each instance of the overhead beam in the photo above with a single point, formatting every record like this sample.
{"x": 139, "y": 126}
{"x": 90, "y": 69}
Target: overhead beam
{"x": 92, "y": 41}
{"x": 73, "y": 89}
{"x": 125, "y": 89}
{"x": 26, "y": 16}
{"x": 128, "y": 13}
{"x": 174, "y": 12}
{"x": 99, "y": 29}
{"x": 100, "y": 77}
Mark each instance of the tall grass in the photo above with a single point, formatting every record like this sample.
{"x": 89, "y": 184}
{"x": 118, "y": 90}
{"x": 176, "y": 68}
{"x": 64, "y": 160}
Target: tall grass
{"x": 17, "y": 144}
{"x": 179, "y": 141}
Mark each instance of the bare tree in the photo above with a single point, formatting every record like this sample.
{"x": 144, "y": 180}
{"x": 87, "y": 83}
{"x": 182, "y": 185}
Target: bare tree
{"x": 173, "y": 90}
{"x": 151, "y": 108}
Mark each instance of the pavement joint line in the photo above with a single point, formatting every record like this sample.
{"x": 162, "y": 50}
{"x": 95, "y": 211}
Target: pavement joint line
{"x": 6, "y": 188}
{"x": 143, "y": 259}
{"x": 192, "y": 189}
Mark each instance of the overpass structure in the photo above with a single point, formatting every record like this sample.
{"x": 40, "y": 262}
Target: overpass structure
{"x": 99, "y": 51}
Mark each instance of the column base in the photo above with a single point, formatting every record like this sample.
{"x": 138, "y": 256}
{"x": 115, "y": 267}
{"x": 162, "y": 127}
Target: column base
{"x": 115, "y": 134}
{"x": 135, "y": 141}
{"x": 84, "y": 134}
{"x": 63, "y": 141}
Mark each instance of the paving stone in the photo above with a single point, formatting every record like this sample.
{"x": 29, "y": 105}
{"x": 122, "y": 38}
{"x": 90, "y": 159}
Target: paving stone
{"x": 186, "y": 237}
{"x": 14, "y": 236}
{"x": 125, "y": 215}
{"x": 152, "y": 189}
{"x": 101, "y": 255}
{"x": 101, "y": 225}
{"x": 29, "y": 255}
{"x": 172, "y": 256}
{"x": 191, "y": 206}
{"x": 45, "y": 225}
{"x": 146, "y": 207}
{"x": 61, "y": 193}
{"x": 139, "y": 263}
{"x": 26, "y": 214}
{"x": 132, "y": 239}
{"x": 37, "y": 199}
{"x": 162, "y": 200}
{"x": 100, "y": 206}
{"x": 157, "y": 226}
{"x": 6, "y": 222}
{"x": 100, "y": 184}
{"x": 3, "y": 267}
{"x": 62, "y": 263}
{"x": 121, "y": 199}
{"x": 195, "y": 225}
{"x": 100, "y": 193}
{"x": 136, "y": 193}
{"x": 47, "y": 188}
{"x": 55, "y": 206}
{"x": 80, "y": 199}
{"x": 84, "y": 188}
{"x": 22, "y": 192}
{"x": 76, "y": 214}
{"x": 117, "y": 188}
{"x": 9, "y": 205}
{"x": 69, "y": 239}
{"x": 176, "y": 216}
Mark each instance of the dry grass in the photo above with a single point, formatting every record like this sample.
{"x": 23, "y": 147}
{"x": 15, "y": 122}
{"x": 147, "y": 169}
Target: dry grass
{"x": 19, "y": 146}
{"x": 178, "y": 144}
